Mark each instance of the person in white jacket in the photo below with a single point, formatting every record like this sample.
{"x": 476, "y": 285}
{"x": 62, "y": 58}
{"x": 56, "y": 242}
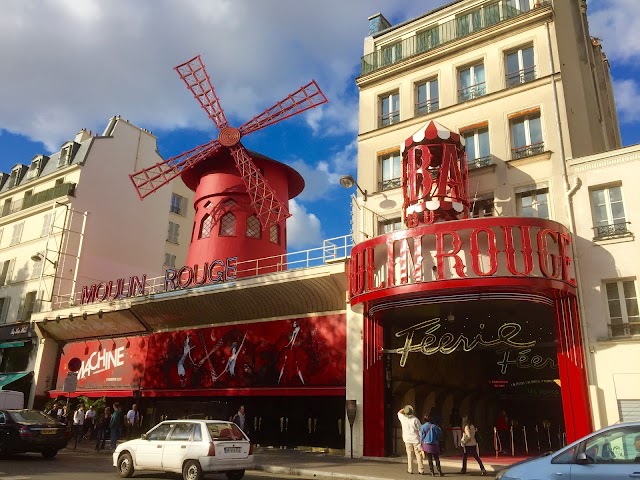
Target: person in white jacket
{"x": 470, "y": 445}
{"x": 411, "y": 437}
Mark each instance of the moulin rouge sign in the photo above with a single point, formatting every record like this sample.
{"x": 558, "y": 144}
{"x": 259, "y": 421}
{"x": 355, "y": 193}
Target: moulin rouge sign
{"x": 218, "y": 271}
{"x": 442, "y": 244}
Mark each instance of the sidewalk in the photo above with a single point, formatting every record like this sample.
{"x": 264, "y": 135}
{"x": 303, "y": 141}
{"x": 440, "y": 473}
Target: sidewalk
{"x": 335, "y": 466}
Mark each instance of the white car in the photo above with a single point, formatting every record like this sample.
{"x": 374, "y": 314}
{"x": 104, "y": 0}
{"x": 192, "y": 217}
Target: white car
{"x": 190, "y": 447}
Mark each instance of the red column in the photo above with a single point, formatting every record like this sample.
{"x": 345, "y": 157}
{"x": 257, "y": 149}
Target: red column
{"x": 572, "y": 368}
{"x": 373, "y": 385}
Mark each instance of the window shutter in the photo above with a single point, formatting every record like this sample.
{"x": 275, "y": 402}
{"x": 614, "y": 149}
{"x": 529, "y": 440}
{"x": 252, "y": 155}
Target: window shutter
{"x": 5, "y": 309}
{"x": 21, "y": 309}
{"x": 9, "y": 277}
{"x": 46, "y": 225}
{"x": 37, "y": 269}
{"x": 183, "y": 205}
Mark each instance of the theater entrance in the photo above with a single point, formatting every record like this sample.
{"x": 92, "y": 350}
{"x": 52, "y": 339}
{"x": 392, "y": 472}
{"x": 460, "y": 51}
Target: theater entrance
{"x": 481, "y": 357}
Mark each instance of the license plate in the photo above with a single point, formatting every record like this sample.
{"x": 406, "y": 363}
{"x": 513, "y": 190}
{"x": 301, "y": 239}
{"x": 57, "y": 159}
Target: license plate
{"x": 232, "y": 449}
{"x": 49, "y": 431}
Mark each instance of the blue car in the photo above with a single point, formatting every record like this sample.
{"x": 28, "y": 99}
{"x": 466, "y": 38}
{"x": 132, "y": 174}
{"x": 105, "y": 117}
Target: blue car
{"x": 610, "y": 453}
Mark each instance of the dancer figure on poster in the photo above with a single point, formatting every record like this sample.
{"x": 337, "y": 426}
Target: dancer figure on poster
{"x": 182, "y": 373}
{"x": 292, "y": 353}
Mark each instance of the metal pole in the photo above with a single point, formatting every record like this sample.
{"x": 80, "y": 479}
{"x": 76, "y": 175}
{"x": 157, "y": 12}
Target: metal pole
{"x": 75, "y": 270}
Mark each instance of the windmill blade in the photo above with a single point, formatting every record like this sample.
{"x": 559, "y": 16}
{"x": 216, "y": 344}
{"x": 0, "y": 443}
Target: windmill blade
{"x": 152, "y": 178}
{"x": 268, "y": 207}
{"x": 309, "y": 96}
{"x": 195, "y": 76}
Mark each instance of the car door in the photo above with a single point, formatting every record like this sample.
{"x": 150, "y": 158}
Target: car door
{"x": 149, "y": 451}
{"x": 5, "y": 431}
{"x": 177, "y": 446}
{"x": 612, "y": 454}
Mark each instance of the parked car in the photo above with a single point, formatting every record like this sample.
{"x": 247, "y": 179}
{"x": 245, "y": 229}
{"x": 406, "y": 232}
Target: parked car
{"x": 27, "y": 430}
{"x": 191, "y": 447}
{"x": 610, "y": 453}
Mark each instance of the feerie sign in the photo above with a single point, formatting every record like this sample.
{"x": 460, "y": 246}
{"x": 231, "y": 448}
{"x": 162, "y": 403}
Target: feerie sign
{"x": 462, "y": 253}
{"x": 215, "y": 272}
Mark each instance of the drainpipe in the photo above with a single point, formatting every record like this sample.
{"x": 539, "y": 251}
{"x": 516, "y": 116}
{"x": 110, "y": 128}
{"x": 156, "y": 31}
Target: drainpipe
{"x": 569, "y": 192}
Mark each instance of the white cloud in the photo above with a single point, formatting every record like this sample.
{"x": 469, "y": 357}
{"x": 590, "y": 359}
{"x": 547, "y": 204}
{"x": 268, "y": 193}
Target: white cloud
{"x": 303, "y": 228}
{"x": 617, "y": 23}
{"x": 627, "y": 94}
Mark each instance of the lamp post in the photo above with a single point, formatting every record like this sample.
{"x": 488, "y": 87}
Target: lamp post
{"x": 347, "y": 181}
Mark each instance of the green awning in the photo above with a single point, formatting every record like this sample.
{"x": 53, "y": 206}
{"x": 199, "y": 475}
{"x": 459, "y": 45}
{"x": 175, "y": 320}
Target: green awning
{"x": 7, "y": 378}
{"x": 17, "y": 343}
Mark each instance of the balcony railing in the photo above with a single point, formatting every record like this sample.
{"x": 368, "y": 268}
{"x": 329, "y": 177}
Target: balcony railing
{"x": 629, "y": 329}
{"x": 521, "y": 76}
{"x": 428, "y": 106}
{"x": 389, "y": 118}
{"x": 527, "y": 150}
{"x": 493, "y": 13}
{"x": 617, "y": 229}
{"x": 480, "y": 162}
{"x": 474, "y": 91}
{"x": 389, "y": 184}
{"x": 64, "y": 189}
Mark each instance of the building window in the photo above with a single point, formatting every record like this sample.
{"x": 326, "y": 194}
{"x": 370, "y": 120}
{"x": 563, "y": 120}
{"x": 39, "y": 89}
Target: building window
{"x": 178, "y": 204}
{"x": 483, "y": 207}
{"x": 519, "y": 5}
{"x": 6, "y": 207}
{"x": 471, "y": 83}
{"x": 46, "y": 225}
{"x": 477, "y": 147}
{"x": 228, "y": 225}
{"x": 274, "y": 234}
{"x": 7, "y": 271}
{"x": 391, "y": 171}
{"x": 17, "y": 233}
{"x": 254, "y": 228}
{"x": 228, "y": 203}
{"x": 13, "y": 179}
{"x": 389, "y": 109}
{"x": 426, "y": 97}
{"x": 206, "y": 226}
{"x": 622, "y": 300}
{"x": 388, "y": 226}
{"x": 520, "y": 67}
{"x": 65, "y": 155}
{"x": 534, "y": 203}
{"x": 4, "y": 308}
{"x": 37, "y": 267}
{"x": 526, "y": 135}
{"x": 170, "y": 260}
{"x": 172, "y": 236}
{"x": 608, "y": 212}
{"x": 391, "y": 54}
{"x": 27, "y": 307}
{"x": 427, "y": 39}
{"x": 34, "y": 170}
{"x": 468, "y": 23}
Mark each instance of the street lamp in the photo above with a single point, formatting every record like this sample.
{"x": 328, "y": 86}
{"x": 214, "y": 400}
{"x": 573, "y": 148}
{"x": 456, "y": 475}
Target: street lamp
{"x": 347, "y": 181}
{"x": 38, "y": 257}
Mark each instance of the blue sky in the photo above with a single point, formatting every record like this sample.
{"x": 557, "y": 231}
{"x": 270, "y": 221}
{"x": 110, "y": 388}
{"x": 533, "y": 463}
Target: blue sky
{"x": 69, "y": 65}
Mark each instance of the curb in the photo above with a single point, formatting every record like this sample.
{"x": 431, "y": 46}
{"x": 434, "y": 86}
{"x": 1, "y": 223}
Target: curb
{"x": 303, "y": 472}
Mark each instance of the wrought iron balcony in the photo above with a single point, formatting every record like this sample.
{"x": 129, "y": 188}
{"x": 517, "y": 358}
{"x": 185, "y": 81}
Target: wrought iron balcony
{"x": 474, "y": 91}
{"x": 391, "y": 183}
{"x": 62, "y": 190}
{"x": 527, "y": 150}
{"x": 480, "y": 162}
{"x": 389, "y": 118}
{"x": 619, "y": 330}
{"x": 613, "y": 230}
{"x": 521, "y": 76}
{"x": 490, "y": 14}
{"x": 429, "y": 106}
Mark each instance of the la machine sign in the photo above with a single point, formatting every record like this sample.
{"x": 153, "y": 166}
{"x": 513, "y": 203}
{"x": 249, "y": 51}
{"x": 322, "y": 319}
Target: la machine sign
{"x": 217, "y": 271}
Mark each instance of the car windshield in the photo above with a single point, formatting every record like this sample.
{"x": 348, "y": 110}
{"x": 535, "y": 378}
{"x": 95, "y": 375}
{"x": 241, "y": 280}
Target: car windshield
{"x": 30, "y": 416}
{"x": 225, "y": 431}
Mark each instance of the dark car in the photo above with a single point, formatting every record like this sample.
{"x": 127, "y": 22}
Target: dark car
{"x": 31, "y": 431}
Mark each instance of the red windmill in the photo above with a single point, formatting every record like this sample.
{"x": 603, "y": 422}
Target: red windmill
{"x": 234, "y": 188}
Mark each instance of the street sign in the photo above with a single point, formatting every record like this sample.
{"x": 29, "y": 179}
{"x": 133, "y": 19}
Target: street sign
{"x": 74, "y": 364}
{"x": 70, "y": 382}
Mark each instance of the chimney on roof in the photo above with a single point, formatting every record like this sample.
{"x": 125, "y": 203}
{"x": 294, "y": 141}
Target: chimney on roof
{"x": 377, "y": 23}
{"x": 82, "y": 135}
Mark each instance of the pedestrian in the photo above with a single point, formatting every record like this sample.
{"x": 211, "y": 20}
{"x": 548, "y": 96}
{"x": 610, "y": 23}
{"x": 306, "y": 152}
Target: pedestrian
{"x": 132, "y": 421}
{"x": 430, "y": 434}
{"x": 411, "y": 437}
{"x": 89, "y": 421}
{"x": 115, "y": 425}
{"x": 240, "y": 419}
{"x": 470, "y": 445}
{"x": 502, "y": 427}
{"x": 102, "y": 429}
{"x": 53, "y": 411}
{"x": 78, "y": 425}
{"x": 455, "y": 420}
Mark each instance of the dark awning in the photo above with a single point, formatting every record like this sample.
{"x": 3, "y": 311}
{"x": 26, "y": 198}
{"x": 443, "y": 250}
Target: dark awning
{"x": 7, "y": 378}
{"x": 11, "y": 344}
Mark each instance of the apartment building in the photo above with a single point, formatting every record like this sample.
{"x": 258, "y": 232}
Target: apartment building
{"x": 526, "y": 88}
{"x": 72, "y": 219}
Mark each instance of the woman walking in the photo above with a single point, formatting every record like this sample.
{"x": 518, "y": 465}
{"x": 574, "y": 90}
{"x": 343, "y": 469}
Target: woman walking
{"x": 430, "y": 434}
{"x": 470, "y": 445}
{"x": 102, "y": 429}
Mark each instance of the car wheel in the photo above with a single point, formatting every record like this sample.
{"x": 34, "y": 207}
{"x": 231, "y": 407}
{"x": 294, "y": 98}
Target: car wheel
{"x": 192, "y": 471}
{"x": 125, "y": 465}
{"x": 49, "y": 453}
{"x": 235, "y": 474}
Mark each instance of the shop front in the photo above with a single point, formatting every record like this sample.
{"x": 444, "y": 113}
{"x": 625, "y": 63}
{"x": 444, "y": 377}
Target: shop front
{"x": 18, "y": 348}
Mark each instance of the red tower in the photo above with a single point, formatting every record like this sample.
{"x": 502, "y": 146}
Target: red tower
{"x": 240, "y": 196}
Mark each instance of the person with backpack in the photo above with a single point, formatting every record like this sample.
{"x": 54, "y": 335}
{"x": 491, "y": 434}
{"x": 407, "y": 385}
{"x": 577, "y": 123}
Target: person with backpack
{"x": 430, "y": 434}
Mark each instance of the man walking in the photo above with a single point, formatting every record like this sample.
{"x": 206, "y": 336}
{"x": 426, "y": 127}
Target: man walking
{"x": 115, "y": 425}
{"x": 78, "y": 425}
{"x": 411, "y": 437}
{"x": 240, "y": 418}
{"x": 133, "y": 421}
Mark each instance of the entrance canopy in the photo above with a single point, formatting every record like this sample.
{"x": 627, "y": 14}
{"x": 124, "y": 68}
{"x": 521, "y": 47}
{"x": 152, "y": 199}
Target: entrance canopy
{"x": 7, "y": 378}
